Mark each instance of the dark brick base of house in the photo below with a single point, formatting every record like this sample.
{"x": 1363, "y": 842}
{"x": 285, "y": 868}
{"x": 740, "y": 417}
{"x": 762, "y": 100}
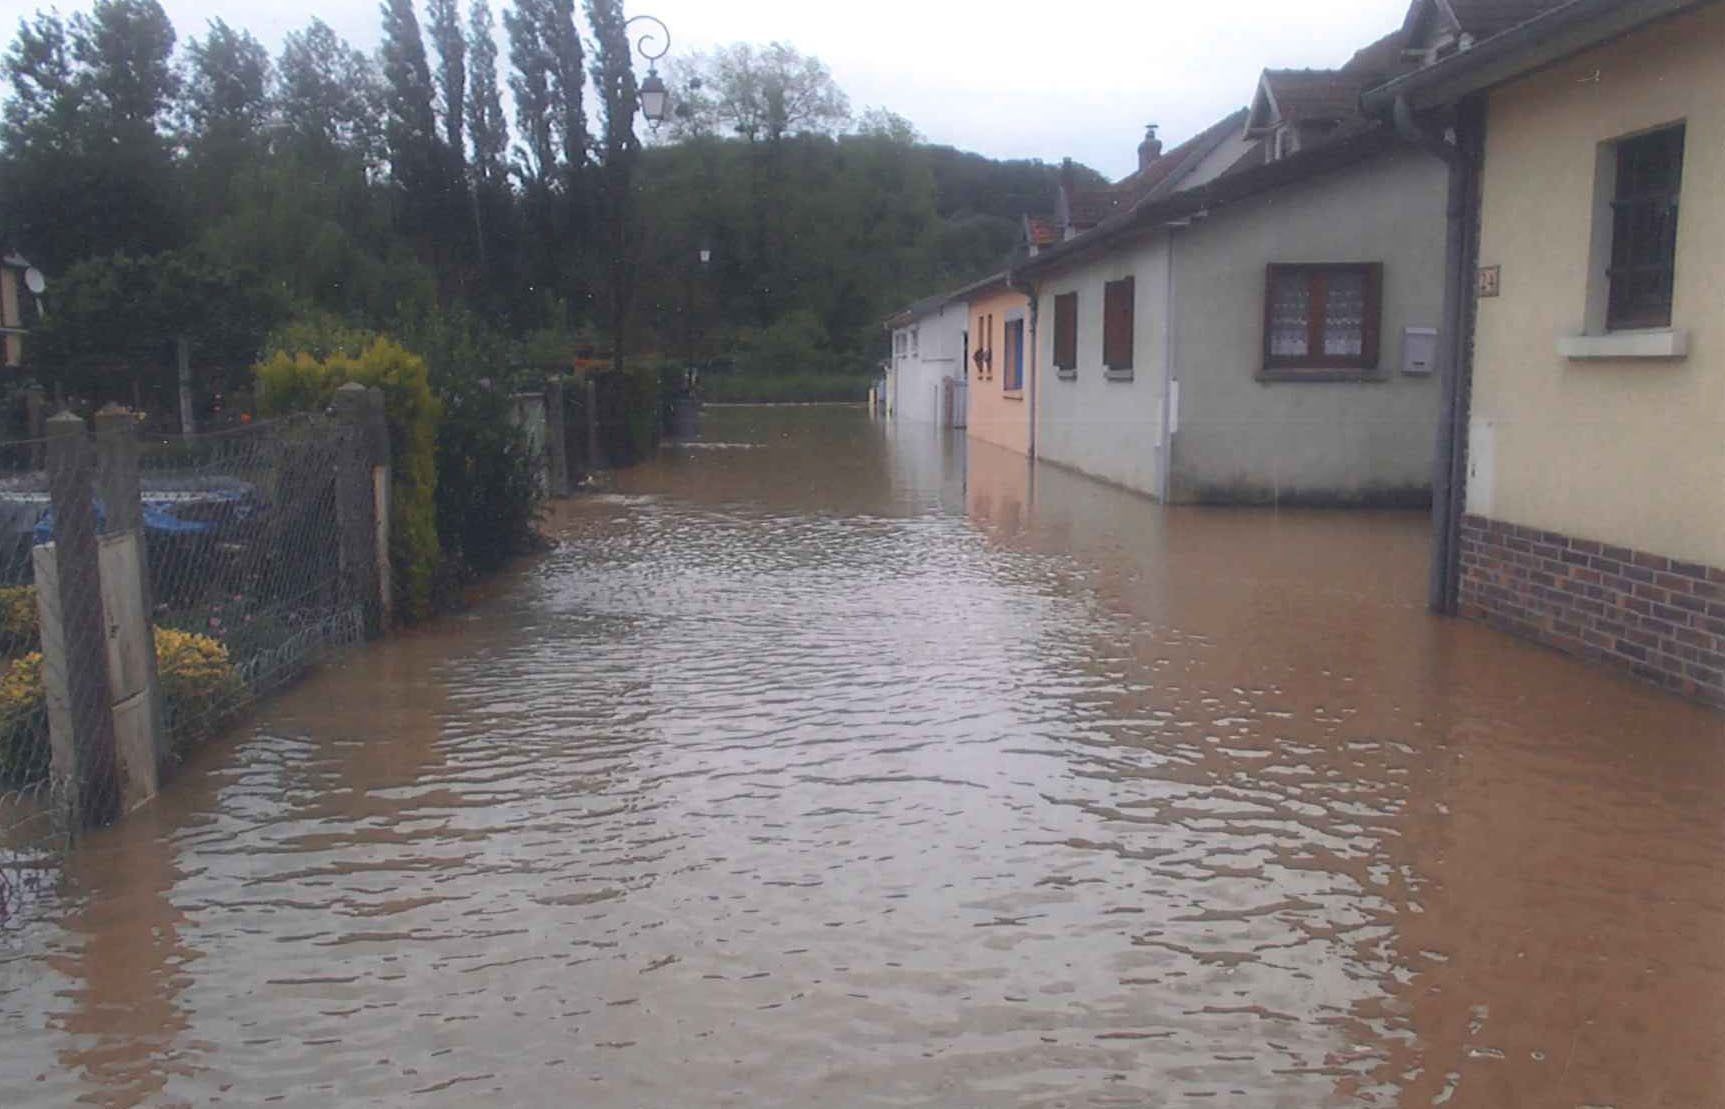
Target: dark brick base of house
{"x": 1662, "y": 619}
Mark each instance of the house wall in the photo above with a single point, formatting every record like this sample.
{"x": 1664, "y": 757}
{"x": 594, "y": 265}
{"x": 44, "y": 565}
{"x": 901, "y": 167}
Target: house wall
{"x": 998, "y": 415}
{"x": 938, "y": 352}
{"x": 1242, "y": 439}
{"x": 1596, "y": 489}
{"x": 1107, "y": 426}
{"x": 1628, "y": 452}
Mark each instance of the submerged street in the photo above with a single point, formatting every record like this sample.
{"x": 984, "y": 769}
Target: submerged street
{"x": 827, "y": 760}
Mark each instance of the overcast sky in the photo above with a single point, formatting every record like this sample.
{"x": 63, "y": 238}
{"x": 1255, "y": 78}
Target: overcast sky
{"x": 1007, "y": 78}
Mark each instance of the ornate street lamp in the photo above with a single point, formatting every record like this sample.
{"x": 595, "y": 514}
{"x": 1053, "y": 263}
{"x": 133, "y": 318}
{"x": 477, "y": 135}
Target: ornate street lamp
{"x": 655, "y": 97}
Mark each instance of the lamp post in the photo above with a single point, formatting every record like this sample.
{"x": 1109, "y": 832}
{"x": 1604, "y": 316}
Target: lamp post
{"x": 655, "y": 97}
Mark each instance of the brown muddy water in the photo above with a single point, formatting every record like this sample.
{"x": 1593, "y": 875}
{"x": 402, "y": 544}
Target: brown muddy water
{"x": 817, "y": 765}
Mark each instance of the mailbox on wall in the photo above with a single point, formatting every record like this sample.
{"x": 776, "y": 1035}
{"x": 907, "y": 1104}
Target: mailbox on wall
{"x": 1419, "y": 351}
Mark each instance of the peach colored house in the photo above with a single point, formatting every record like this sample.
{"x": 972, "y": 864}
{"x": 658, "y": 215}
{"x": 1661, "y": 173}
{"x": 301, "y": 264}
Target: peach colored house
{"x": 1000, "y": 366}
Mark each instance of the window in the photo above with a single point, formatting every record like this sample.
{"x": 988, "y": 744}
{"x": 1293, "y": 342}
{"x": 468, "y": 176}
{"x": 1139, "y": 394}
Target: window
{"x": 1322, "y": 319}
{"x": 1066, "y": 331}
{"x": 1013, "y": 363}
{"x": 913, "y": 342}
{"x": 1117, "y": 308}
{"x": 984, "y": 355}
{"x": 1644, "y": 230}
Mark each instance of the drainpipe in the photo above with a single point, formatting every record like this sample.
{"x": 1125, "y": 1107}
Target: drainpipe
{"x": 1170, "y": 379}
{"x": 1455, "y": 346}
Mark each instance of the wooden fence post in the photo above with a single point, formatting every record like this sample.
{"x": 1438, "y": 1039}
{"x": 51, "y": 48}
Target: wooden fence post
{"x": 74, "y": 641}
{"x": 140, "y": 731}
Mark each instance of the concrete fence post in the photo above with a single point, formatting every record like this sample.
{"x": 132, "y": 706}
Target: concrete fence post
{"x": 556, "y": 441}
{"x": 382, "y": 502}
{"x": 362, "y": 505}
{"x": 36, "y": 420}
{"x": 140, "y": 729}
{"x": 74, "y": 639}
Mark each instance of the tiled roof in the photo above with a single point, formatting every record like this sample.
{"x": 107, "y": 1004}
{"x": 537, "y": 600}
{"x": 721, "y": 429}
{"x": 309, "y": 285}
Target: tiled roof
{"x": 1382, "y": 60}
{"x": 1310, "y": 95}
{"x": 1484, "y": 18}
{"x": 1165, "y": 173}
{"x": 1089, "y": 207}
{"x": 1041, "y": 232}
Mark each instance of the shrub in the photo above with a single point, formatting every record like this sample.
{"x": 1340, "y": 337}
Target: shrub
{"x": 301, "y": 382}
{"x": 19, "y": 632}
{"x": 199, "y": 686}
{"x": 488, "y": 493}
{"x": 200, "y": 691}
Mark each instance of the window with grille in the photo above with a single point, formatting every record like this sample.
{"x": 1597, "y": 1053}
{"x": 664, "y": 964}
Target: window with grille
{"x": 1066, "y": 331}
{"x": 983, "y": 356}
{"x": 1320, "y": 319}
{"x": 1118, "y": 303}
{"x": 1644, "y": 230}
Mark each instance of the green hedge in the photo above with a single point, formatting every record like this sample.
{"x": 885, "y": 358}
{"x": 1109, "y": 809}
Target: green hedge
{"x": 301, "y": 382}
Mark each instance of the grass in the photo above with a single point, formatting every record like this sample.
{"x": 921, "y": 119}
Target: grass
{"x": 797, "y": 388}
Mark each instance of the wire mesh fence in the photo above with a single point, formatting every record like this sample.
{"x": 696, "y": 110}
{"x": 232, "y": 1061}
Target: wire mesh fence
{"x": 33, "y": 806}
{"x": 117, "y": 655}
{"x": 243, "y": 564}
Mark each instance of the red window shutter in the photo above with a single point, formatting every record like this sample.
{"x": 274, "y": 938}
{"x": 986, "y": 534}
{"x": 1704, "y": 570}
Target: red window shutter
{"x": 1066, "y": 331}
{"x": 1117, "y": 311}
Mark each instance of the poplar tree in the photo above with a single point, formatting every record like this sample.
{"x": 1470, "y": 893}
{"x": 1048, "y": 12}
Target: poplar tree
{"x": 487, "y": 127}
{"x": 410, "y": 125}
{"x": 451, "y": 72}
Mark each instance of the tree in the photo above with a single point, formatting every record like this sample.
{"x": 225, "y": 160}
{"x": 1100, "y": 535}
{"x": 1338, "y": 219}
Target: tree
{"x": 329, "y": 96}
{"x": 226, "y": 108}
{"x": 760, "y": 92}
{"x": 568, "y": 79}
{"x": 410, "y": 124}
{"x": 85, "y": 167}
{"x": 451, "y": 72}
{"x": 487, "y": 128}
{"x": 531, "y": 58}
{"x": 125, "y": 48}
{"x": 614, "y": 77}
{"x": 879, "y": 123}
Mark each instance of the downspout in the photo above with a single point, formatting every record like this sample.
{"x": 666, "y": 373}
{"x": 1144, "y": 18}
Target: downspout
{"x": 1170, "y": 380}
{"x": 1455, "y": 348}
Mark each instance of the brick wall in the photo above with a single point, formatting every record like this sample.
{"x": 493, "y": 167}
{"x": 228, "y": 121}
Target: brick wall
{"x": 1660, "y": 618}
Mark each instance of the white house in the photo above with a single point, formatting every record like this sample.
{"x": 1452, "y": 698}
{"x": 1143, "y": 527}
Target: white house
{"x": 925, "y": 378}
{"x": 1261, "y": 331}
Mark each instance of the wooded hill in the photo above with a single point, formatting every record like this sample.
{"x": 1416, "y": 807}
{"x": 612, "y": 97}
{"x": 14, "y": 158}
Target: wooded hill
{"x": 202, "y": 187}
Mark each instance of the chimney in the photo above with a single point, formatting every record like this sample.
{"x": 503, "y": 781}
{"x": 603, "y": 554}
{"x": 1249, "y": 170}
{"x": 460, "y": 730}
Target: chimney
{"x": 1150, "y": 149}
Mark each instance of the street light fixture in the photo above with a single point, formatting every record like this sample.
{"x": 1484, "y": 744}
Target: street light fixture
{"x": 655, "y": 97}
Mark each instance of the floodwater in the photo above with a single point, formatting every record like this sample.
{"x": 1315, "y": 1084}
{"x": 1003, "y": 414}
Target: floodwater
{"x": 822, "y": 764}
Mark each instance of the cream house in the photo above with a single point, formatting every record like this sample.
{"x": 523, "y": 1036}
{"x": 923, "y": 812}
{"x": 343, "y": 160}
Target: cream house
{"x": 1582, "y": 492}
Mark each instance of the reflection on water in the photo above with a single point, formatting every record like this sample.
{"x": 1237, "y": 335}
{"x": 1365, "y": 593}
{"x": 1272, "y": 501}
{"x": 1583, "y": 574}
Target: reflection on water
{"x": 828, "y": 760}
